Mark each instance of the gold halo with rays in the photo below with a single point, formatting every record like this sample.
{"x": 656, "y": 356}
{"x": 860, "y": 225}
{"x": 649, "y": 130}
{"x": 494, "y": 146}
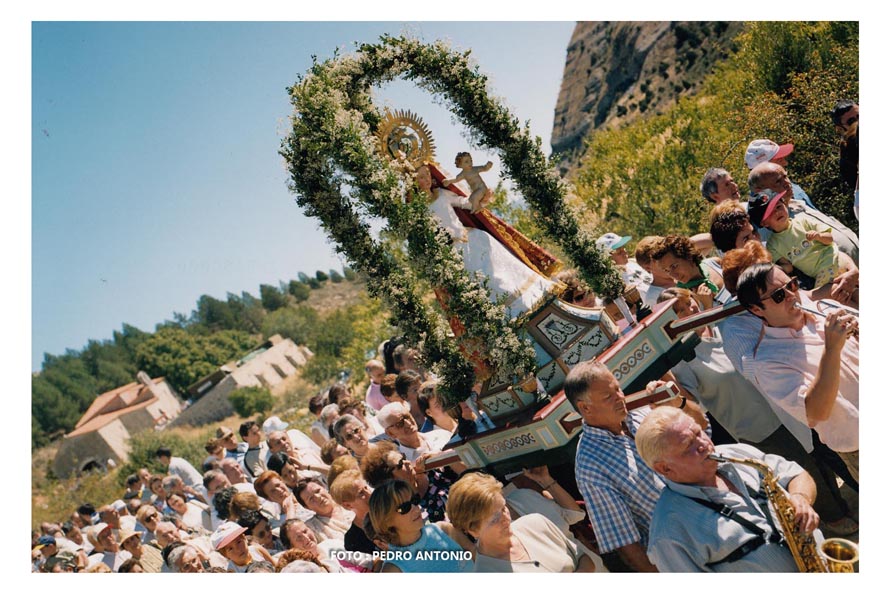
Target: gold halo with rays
{"x": 404, "y": 131}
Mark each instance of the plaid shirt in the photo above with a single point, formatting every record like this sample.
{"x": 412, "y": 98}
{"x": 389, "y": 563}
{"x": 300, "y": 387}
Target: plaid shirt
{"x": 619, "y": 489}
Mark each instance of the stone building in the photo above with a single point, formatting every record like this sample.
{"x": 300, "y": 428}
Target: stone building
{"x": 265, "y": 366}
{"x": 104, "y": 430}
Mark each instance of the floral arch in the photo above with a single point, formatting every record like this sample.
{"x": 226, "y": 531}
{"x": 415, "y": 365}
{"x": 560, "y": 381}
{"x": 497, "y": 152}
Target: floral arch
{"x": 338, "y": 174}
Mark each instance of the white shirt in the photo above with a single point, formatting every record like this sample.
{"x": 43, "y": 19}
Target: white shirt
{"x": 431, "y": 441}
{"x": 786, "y": 364}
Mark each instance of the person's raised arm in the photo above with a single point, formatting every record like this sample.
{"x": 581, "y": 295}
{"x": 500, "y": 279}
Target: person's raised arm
{"x": 823, "y": 390}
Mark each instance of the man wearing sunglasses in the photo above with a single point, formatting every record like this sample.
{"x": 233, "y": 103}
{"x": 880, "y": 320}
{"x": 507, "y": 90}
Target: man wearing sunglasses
{"x": 805, "y": 364}
{"x": 399, "y": 425}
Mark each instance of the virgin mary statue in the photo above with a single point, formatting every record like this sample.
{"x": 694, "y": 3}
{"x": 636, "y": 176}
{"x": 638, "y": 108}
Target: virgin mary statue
{"x": 518, "y": 271}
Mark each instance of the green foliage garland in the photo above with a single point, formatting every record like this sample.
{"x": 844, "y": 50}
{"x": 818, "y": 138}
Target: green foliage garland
{"x": 332, "y": 144}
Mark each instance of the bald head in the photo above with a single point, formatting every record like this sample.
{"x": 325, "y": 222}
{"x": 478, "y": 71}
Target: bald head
{"x": 763, "y": 176}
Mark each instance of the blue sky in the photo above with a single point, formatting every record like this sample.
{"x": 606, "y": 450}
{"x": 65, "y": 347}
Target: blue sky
{"x": 155, "y": 173}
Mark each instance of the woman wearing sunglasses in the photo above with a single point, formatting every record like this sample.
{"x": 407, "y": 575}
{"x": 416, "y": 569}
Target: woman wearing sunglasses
{"x": 680, "y": 260}
{"x": 414, "y": 545}
{"x": 531, "y": 543}
{"x": 350, "y": 432}
{"x": 805, "y": 364}
{"x": 385, "y": 462}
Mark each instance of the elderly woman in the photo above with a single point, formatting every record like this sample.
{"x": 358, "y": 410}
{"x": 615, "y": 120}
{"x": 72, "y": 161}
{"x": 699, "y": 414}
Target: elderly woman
{"x": 351, "y": 432}
{"x": 270, "y": 486}
{"x": 357, "y": 408}
{"x": 431, "y": 487}
{"x": 148, "y": 517}
{"x": 397, "y": 520}
{"x": 330, "y": 520}
{"x": 679, "y": 259}
{"x": 195, "y": 517}
{"x": 532, "y": 543}
{"x": 328, "y": 416}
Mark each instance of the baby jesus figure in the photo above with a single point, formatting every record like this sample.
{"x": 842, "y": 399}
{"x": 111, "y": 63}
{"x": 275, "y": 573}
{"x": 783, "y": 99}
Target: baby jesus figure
{"x": 480, "y": 193}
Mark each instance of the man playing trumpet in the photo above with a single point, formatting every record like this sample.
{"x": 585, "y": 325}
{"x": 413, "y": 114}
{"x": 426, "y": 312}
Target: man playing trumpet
{"x": 716, "y": 517}
{"x": 803, "y": 363}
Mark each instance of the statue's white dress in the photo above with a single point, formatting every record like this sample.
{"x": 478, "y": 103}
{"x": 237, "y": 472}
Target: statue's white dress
{"x": 508, "y": 276}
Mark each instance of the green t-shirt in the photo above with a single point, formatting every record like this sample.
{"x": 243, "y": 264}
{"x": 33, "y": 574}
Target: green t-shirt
{"x": 812, "y": 258}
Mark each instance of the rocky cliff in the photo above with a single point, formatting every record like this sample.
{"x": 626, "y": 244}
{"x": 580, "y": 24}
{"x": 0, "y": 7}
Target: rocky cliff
{"x": 618, "y": 71}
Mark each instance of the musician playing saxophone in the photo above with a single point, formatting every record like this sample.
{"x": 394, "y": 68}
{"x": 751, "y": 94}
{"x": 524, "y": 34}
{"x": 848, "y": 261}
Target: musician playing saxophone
{"x": 715, "y": 517}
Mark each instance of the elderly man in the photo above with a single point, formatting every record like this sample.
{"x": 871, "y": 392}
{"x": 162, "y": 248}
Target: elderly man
{"x": 619, "y": 490}
{"x": 714, "y": 517}
{"x": 149, "y": 556}
{"x": 762, "y": 151}
{"x": 234, "y": 471}
{"x": 186, "y": 559}
{"x": 307, "y": 459}
{"x": 110, "y": 514}
{"x": 805, "y": 364}
{"x": 772, "y": 176}
{"x": 107, "y": 550}
{"x": 399, "y": 425}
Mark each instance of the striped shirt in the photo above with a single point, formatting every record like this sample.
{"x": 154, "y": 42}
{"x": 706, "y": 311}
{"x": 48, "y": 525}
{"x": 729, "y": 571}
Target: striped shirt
{"x": 619, "y": 489}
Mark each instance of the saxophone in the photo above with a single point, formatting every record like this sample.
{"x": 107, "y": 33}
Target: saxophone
{"x": 802, "y": 545}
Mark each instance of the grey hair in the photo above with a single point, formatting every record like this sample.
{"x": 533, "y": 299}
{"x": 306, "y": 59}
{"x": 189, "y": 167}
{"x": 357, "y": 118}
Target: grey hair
{"x": 326, "y": 413}
{"x": 385, "y": 416}
{"x": 339, "y": 426}
{"x": 709, "y": 182}
{"x": 581, "y": 378}
{"x": 169, "y": 482}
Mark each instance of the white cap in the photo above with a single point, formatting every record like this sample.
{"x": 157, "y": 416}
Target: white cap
{"x": 611, "y": 241}
{"x": 272, "y": 424}
{"x": 225, "y": 533}
{"x": 760, "y": 151}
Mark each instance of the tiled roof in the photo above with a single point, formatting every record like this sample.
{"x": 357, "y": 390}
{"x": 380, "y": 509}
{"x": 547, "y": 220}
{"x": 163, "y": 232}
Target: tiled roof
{"x": 103, "y": 419}
{"x": 103, "y": 404}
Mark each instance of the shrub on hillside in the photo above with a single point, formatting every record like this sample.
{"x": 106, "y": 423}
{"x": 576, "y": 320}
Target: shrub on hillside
{"x": 251, "y": 400}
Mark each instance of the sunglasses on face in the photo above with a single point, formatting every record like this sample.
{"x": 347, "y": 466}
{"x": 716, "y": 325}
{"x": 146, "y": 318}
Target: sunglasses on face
{"x": 404, "y": 508}
{"x": 402, "y": 422}
{"x": 403, "y": 460}
{"x": 780, "y": 294}
{"x": 352, "y": 434}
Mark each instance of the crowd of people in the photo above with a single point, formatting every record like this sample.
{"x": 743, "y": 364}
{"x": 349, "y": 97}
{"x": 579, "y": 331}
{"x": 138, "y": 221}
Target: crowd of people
{"x": 776, "y": 382}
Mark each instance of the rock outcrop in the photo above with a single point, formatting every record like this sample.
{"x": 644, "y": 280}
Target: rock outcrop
{"x": 618, "y": 71}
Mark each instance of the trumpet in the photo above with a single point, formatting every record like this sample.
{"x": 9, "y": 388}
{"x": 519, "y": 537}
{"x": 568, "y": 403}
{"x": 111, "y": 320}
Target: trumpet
{"x": 817, "y": 311}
